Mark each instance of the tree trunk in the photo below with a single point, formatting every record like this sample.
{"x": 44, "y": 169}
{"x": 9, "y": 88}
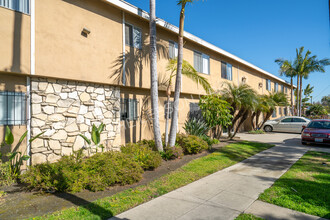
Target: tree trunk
{"x": 235, "y": 119}
{"x": 252, "y": 120}
{"x": 292, "y": 95}
{"x": 167, "y": 119}
{"x": 257, "y": 119}
{"x": 297, "y": 97}
{"x": 174, "y": 123}
{"x": 153, "y": 77}
{"x": 300, "y": 97}
{"x": 268, "y": 114}
{"x": 243, "y": 119}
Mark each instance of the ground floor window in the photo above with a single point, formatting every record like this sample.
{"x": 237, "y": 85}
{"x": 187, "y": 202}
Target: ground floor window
{"x": 129, "y": 109}
{"x": 12, "y": 108}
{"x": 194, "y": 111}
{"x": 285, "y": 111}
{"x": 274, "y": 113}
{"x": 280, "y": 111}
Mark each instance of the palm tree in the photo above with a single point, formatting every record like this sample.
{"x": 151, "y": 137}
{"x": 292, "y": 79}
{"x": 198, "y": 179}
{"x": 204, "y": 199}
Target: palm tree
{"x": 153, "y": 77}
{"x": 188, "y": 71}
{"x": 287, "y": 69}
{"x": 174, "y": 123}
{"x": 242, "y": 98}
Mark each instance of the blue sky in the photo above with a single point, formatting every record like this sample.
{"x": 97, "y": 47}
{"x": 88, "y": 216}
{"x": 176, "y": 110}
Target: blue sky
{"x": 258, "y": 31}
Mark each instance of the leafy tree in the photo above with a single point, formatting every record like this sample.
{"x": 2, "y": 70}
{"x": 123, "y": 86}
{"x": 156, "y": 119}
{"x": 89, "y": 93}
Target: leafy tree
{"x": 153, "y": 77}
{"x": 326, "y": 102}
{"x": 317, "y": 110}
{"x": 216, "y": 112}
{"x": 307, "y": 93}
{"x": 242, "y": 98}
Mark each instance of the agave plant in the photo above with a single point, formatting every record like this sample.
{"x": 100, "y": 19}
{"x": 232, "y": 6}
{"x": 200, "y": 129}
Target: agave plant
{"x": 95, "y": 137}
{"x": 16, "y": 158}
{"x": 195, "y": 126}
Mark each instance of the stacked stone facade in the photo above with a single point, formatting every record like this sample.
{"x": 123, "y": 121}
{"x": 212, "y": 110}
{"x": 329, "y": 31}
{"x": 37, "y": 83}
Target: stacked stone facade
{"x": 64, "y": 109}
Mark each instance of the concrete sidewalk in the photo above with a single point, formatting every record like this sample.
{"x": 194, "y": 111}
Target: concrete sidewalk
{"x": 224, "y": 194}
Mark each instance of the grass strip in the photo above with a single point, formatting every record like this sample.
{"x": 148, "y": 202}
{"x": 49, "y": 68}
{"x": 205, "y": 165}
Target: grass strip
{"x": 244, "y": 216}
{"x": 305, "y": 187}
{"x": 192, "y": 171}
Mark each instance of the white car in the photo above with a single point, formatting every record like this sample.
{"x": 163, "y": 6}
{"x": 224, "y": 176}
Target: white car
{"x": 292, "y": 124}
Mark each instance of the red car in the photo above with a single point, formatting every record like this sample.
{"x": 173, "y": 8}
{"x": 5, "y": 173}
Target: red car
{"x": 317, "y": 131}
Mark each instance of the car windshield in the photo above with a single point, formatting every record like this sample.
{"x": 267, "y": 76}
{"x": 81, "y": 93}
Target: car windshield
{"x": 319, "y": 124}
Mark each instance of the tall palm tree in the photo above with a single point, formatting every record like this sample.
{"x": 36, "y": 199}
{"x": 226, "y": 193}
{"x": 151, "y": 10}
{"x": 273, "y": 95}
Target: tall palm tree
{"x": 242, "y": 98}
{"x": 287, "y": 69}
{"x": 174, "y": 123}
{"x": 188, "y": 71}
{"x": 153, "y": 76}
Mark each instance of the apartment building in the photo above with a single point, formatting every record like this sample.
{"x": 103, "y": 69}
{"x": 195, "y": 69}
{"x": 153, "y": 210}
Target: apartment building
{"x": 68, "y": 64}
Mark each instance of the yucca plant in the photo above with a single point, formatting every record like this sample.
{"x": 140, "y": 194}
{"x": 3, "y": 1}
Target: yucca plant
{"x": 16, "y": 158}
{"x": 195, "y": 126}
{"x": 95, "y": 137}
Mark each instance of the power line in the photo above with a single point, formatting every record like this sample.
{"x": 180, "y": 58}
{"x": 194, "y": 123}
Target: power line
{"x": 322, "y": 91}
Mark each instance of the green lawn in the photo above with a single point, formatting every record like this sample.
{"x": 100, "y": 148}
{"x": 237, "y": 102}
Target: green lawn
{"x": 247, "y": 217}
{"x": 194, "y": 170}
{"x": 305, "y": 187}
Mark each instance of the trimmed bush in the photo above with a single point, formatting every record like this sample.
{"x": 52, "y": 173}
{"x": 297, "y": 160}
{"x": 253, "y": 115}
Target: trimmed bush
{"x": 149, "y": 143}
{"x": 6, "y": 178}
{"x": 143, "y": 154}
{"x": 171, "y": 153}
{"x": 73, "y": 173}
{"x": 191, "y": 144}
{"x": 210, "y": 141}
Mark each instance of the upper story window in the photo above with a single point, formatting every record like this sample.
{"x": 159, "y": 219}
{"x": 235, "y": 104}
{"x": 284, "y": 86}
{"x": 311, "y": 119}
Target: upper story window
{"x": 286, "y": 89}
{"x": 172, "y": 49}
{"x": 133, "y": 36}
{"x": 202, "y": 62}
{"x": 226, "y": 71}
{"x": 282, "y": 88}
{"x": 17, "y": 5}
{"x": 12, "y": 108}
{"x": 268, "y": 84}
{"x": 275, "y": 87}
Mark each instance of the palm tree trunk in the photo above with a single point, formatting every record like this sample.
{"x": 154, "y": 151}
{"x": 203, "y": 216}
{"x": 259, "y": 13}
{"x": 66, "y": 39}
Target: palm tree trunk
{"x": 300, "y": 97}
{"x": 153, "y": 77}
{"x": 167, "y": 119}
{"x": 297, "y": 97}
{"x": 268, "y": 114}
{"x": 243, "y": 119}
{"x": 257, "y": 119}
{"x": 252, "y": 120}
{"x": 292, "y": 95}
{"x": 174, "y": 123}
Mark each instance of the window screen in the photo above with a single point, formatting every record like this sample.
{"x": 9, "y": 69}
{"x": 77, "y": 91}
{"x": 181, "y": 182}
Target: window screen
{"x": 194, "y": 111}
{"x": 128, "y": 109}
{"x": 275, "y": 87}
{"x": 173, "y": 50}
{"x": 17, "y": 5}
{"x": 133, "y": 36}
{"x": 168, "y": 109}
{"x": 268, "y": 85}
{"x": 274, "y": 113}
{"x": 226, "y": 71}
{"x": 12, "y": 108}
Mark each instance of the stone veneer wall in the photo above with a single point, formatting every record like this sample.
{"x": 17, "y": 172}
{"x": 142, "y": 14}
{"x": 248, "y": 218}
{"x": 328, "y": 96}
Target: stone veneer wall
{"x": 64, "y": 109}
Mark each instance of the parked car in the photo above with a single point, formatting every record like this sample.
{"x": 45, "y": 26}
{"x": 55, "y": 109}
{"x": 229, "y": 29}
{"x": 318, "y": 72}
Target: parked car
{"x": 317, "y": 131}
{"x": 286, "y": 124}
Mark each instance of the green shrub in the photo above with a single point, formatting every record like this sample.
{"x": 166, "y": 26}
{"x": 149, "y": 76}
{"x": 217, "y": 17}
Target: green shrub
{"x": 6, "y": 177}
{"x": 196, "y": 126}
{"x": 171, "y": 153}
{"x": 149, "y": 143}
{"x": 74, "y": 173}
{"x": 256, "y": 132}
{"x": 191, "y": 144}
{"x": 210, "y": 141}
{"x": 143, "y": 154}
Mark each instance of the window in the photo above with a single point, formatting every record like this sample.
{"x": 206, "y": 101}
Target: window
{"x": 286, "y": 89}
{"x": 168, "y": 108}
{"x": 12, "y": 108}
{"x": 280, "y": 111}
{"x": 287, "y": 120}
{"x": 226, "y": 71}
{"x": 201, "y": 63}
{"x": 128, "y": 109}
{"x": 275, "y": 87}
{"x": 285, "y": 111}
{"x": 268, "y": 84}
{"x": 282, "y": 88}
{"x": 133, "y": 36}
{"x": 173, "y": 49}
{"x": 299, "y": 120}
{"x": 274, "y": 113}
{"x": 17, "y": 5}
{"x": 194, "y": 111}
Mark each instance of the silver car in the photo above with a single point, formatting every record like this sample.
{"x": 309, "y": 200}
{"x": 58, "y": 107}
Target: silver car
{"x": 286, "y": 124}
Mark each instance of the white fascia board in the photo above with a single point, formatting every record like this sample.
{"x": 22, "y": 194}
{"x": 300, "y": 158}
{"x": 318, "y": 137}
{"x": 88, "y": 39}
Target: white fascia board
{"x": 160, "y": 22}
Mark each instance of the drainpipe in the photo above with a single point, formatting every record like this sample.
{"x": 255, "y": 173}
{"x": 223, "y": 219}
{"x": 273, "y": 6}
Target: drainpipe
{"x": 28, "y": 80}
{"x": 124, "y": 55}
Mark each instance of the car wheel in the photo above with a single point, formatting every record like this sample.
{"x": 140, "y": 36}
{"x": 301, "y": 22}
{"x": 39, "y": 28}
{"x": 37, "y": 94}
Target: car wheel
{"x": 268, "y": 128}
{"x": 304, "y": 143}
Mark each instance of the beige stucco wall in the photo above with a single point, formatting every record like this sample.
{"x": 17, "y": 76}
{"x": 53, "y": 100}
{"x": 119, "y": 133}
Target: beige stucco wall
{"x": 15, "y": 41}
{"x": 12, "y": 82}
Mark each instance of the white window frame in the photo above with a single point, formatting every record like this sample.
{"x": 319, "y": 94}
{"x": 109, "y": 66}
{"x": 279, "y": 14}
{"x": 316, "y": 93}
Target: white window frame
{"x": 172, "y": 49}
{"x": 132, "y": 43}
{"x": 205, "y": 65}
